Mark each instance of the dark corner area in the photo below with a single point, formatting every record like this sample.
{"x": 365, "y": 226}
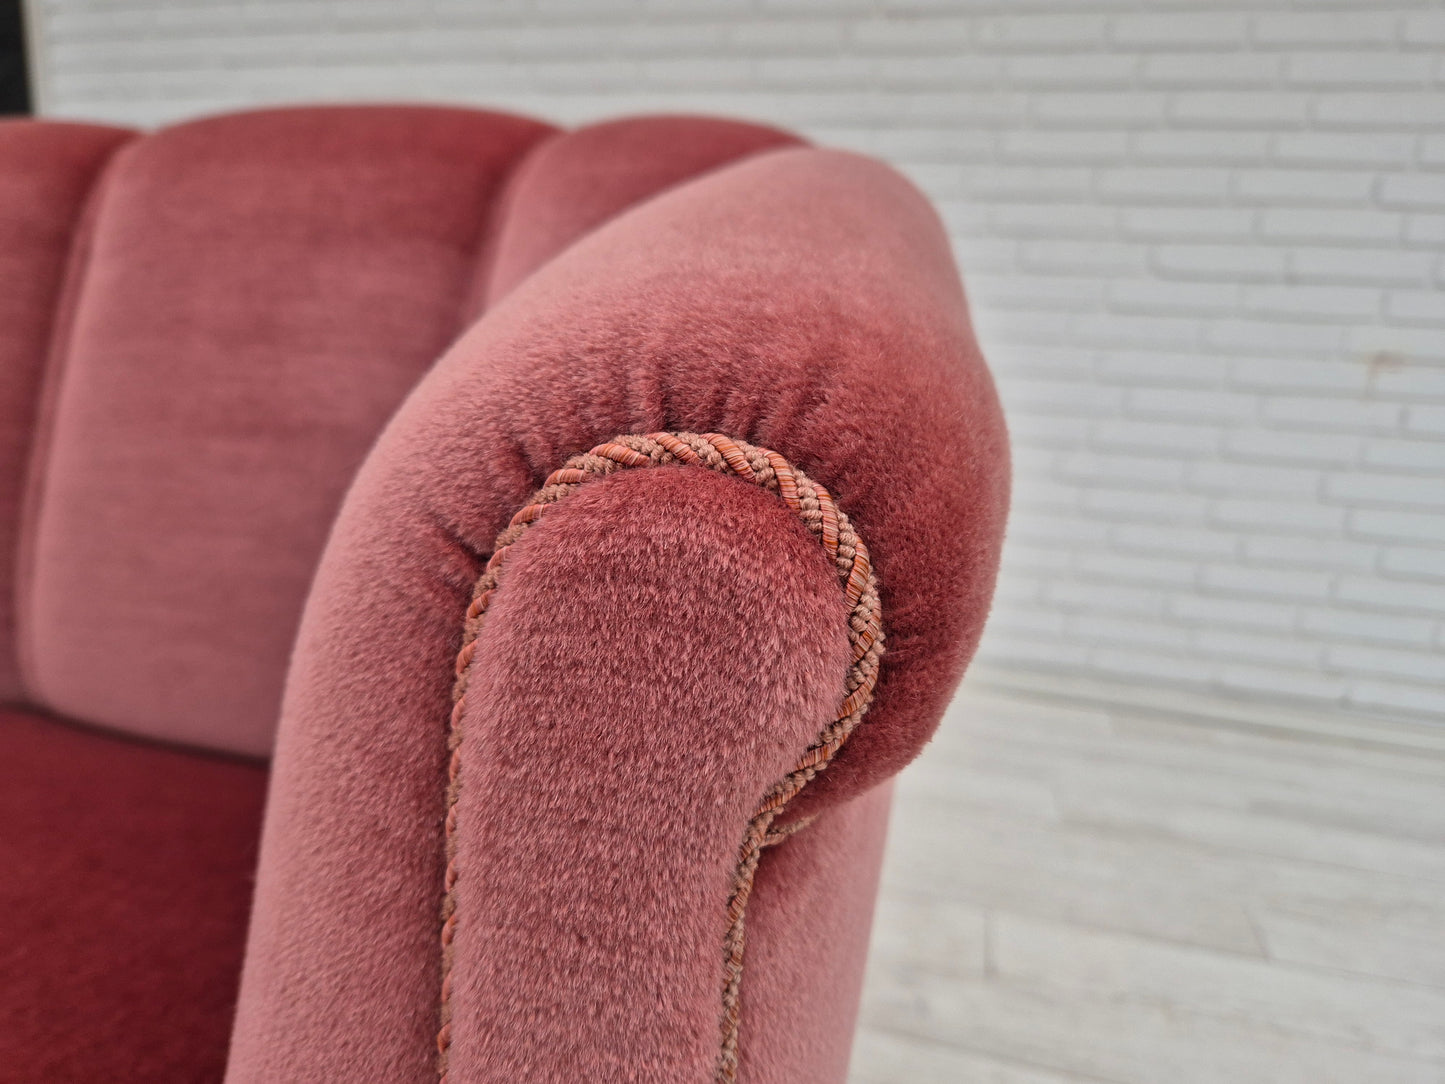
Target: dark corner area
{"x": 14, "y": 76}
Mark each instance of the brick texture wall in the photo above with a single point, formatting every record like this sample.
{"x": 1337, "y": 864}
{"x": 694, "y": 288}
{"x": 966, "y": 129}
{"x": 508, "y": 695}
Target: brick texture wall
{"x": 1203, "y": 241}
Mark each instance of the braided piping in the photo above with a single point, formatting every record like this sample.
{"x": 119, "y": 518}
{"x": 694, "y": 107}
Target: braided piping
{"x": 815, "y": 506}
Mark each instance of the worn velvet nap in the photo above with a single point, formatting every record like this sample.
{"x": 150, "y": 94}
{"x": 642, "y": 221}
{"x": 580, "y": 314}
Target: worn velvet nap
{"x": 571, "y": 183}
{"x": 261, "y": 291}
{"x": 643, "y": 621}
{"x": 247, "y": 300}
{"x": 807, "y": 925}
{"x": 125, "y": 880}
{"x": 802, "y": 300}
{"x": 46, "y": 171}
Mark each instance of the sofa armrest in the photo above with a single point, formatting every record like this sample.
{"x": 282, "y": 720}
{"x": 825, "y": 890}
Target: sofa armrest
{"x": 662, "y": 649}
{"x": 651, "y": 664}
{"x": 666, "y": 664}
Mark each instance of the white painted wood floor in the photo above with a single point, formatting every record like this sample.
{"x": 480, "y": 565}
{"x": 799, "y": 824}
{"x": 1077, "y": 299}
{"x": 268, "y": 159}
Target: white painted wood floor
{"x": 1077, "y": 894}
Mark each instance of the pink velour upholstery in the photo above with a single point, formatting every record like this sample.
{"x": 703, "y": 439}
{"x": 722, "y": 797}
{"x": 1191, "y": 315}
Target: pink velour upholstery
{"x": 260, "y": 292}
{"x": 45, "y": 174}
{"x": 577, "y": 180}
{"x": 249, "y": 300}
{"x": 801, "y": 300}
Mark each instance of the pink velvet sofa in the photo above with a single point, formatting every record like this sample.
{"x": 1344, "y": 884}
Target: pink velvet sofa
{"x": 579, "y": 528}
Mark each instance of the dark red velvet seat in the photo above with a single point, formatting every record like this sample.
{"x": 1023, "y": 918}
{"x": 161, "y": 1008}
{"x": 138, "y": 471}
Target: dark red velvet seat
{"x": 128, "y": 870}
{"x": 271, "y": 387}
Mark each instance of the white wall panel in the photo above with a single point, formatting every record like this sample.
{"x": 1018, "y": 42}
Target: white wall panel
{"x": 1203, "y": 241}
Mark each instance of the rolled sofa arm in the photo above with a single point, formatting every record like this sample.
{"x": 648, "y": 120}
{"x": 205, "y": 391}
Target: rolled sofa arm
{"x": 660, "y": 652}
{"x": 663, "y": 661}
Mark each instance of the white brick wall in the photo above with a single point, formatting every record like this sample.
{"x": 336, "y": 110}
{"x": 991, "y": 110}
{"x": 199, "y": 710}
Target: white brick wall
{"x": 1203, "y": 241}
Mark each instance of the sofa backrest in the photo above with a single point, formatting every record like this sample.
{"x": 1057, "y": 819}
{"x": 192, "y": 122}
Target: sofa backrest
{"x": 202, "y": 331}
{"x": 578, "y": 180}
{"x": 46, "y": 170}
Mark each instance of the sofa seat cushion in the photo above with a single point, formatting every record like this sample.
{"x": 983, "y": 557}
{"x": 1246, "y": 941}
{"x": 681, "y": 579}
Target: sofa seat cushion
{"x": 125, "y": 885}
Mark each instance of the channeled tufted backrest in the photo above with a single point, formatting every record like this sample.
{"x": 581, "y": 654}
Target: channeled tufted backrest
{"x": 202, "y": 330}
{"x": 46, "y": 170}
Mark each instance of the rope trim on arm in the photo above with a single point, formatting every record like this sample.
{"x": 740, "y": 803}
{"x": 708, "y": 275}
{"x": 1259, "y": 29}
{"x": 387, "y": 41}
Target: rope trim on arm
{"x": 819, "y": 512}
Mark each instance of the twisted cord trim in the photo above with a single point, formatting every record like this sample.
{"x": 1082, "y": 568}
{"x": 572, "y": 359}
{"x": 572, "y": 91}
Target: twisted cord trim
{"x": 819, "y": 512}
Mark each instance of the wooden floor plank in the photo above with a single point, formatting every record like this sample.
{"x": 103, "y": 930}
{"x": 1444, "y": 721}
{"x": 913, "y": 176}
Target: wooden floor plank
{"x": 1133, "y": 1043}
{"x": 1371, "y": 947}
{"x": 1394, "y": 1017}
{"x": 880, "y": 1057}
{"x": 1077, "y": 895}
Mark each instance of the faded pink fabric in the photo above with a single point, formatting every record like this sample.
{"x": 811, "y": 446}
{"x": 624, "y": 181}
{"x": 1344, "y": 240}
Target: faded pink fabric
{"x": 807, "y": 926}
{"x": 261, "y": 292}
{"x": 801, "y": 300}
{"x": 575, "y": 181}
{"x": 46, "y": 171}
{"x": 247, "y": 299}
{"x": 595, "y": 743}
